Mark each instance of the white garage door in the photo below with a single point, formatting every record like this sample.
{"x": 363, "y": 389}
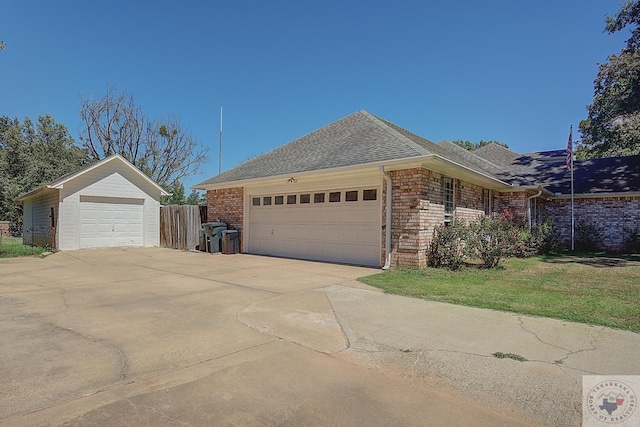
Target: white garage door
{"x": 110, "y": 222}
{"x": 334, "y": 225}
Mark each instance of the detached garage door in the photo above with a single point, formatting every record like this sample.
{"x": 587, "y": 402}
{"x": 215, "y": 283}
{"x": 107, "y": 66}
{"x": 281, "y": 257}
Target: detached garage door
{"x": 334, "y": 225}
{"x": 110, "y": 222}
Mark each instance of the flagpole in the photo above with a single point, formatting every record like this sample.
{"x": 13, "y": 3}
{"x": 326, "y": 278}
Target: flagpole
{"x": 572, "y": 207}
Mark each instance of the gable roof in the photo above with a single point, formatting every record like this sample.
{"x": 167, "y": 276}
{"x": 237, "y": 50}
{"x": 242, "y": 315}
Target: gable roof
{"x": 357, "y": 139}
{"x": 362, "y": 139}
{"x": 59, "y": 183}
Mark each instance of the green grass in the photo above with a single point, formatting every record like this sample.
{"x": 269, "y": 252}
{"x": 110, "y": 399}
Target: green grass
{"x": 594, "y": 289}
{"x": 12, "y": 247}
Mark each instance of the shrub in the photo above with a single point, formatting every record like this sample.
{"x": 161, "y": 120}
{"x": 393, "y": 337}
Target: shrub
{"x": 588, "y": 236}
{"x": 545, "y": 238}
{"x": 447, "y": 246}
{"x": 631, "y": 240}
{"x": 493, "y": 238}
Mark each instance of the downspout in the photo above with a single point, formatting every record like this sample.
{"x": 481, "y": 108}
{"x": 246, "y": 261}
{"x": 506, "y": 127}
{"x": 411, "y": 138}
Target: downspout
{"x": 529, "y": 207}
{"x": 387, "y": 243}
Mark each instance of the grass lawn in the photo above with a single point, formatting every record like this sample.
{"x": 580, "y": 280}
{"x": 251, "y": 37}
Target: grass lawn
{"x": 594, "y": 289}
{"x": 12, "y": 247}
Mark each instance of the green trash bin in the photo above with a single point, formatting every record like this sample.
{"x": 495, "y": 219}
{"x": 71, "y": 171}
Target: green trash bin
{"x": 213, "y": 235}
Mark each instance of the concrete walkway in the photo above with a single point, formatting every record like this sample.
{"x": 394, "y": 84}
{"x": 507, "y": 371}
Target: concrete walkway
{"x": 163, "y": 337}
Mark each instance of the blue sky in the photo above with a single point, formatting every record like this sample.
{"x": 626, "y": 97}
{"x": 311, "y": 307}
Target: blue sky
{"x": 516, "y": 72}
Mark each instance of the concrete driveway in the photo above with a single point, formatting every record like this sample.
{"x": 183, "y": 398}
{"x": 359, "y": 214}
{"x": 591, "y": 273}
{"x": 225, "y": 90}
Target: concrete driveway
{"x": 164, "y": 337}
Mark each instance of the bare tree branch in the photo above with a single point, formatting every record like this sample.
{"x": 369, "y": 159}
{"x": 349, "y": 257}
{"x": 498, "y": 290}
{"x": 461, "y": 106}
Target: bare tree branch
{"x": 161, "y": 148}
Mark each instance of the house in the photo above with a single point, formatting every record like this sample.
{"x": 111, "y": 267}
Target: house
{"x": 363, "y": 190}
{"x": 106, "y": 204}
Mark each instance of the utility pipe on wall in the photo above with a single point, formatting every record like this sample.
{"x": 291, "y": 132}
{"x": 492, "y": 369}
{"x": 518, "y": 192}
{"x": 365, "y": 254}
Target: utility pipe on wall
{"x": 529, "y": 207}
{"x": 387, "y": 245}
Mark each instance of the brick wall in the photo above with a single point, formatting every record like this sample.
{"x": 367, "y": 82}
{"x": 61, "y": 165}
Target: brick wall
{"x": 418, "y": 207}
{"x": 227, "y": 205}
{"x": 514, "y": 202}
{"x": 611, "y": 214}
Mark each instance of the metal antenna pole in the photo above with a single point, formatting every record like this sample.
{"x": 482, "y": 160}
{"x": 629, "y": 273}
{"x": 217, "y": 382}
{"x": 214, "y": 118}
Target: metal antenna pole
{"x": 220, "y": 155}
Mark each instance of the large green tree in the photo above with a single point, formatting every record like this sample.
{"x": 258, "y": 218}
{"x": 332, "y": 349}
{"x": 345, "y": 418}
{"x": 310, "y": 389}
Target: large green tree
{"x": 160, "y": 148}
{"x": 612, "y": 127}
{"x": 31, "y": 156}
{"x": 472, "y": 146}
{"x": 179, "y": 197}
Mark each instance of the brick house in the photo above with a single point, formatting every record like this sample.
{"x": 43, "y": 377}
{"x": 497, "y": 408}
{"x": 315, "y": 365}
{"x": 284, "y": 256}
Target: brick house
{"x": 365, "y": 191}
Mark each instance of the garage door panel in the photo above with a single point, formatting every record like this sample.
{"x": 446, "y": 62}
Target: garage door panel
{"x": 331, "y": 231}
{"x": 110, "y": 222}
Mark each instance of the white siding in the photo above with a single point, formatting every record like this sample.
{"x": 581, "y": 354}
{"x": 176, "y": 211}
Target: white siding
{"x": 113, "y": 180}
{"x": 37, "y": 218}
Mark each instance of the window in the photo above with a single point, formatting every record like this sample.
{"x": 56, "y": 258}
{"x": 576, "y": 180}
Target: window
{"x": 256, "y": 201}
{"x": 279, "y": 200}
{"x": 486, "y": 198}
{"x": 266, "y": 201}
{"x": 370, "y": 194}
{"x": 291, "y": 199}
{"x": 334, "y": 197}
{"x": 448, "y": 194}
{"x": 305, "y": 198}
{"x": 318, "y": 198}
{"x": 351, "y": 196}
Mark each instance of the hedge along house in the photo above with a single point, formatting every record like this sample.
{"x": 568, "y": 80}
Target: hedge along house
{"x": 365, "y": 191}
{"x": 109, "y": 203}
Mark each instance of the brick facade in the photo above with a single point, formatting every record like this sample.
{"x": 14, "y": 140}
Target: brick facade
{"x": 611, "y": 214}
{"x": 418, "y": 207}
{"x": 514, "y": 202}
{"x": 227, "y": 205}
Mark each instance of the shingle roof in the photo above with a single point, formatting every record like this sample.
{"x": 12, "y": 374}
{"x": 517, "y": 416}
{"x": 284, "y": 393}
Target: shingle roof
{"x": 362, "y": 138}
{"x": 357, "y": 139}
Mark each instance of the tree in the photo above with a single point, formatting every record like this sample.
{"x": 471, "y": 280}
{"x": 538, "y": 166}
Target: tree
{"x": 612, "y": 127}
{"x": 176, "y": 188}
{"x": 177, "y": 197}
{"x": 196, "y": 198}
{"x": 468, "y": 145}
{"x": 31, "y": 157}
{"x": 160, "y": 148}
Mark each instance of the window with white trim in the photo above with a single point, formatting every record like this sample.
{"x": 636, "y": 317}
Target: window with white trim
{"x": 486, "y": 200}
{"x": 448, "y": 197}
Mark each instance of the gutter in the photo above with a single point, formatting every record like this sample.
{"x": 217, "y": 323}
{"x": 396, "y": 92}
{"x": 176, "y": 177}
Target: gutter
{"x": 529, "y": 206}
{"x": 387, "y": 243}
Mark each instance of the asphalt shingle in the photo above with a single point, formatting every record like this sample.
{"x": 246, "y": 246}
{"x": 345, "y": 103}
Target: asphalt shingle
{"x": 362, "y": 138}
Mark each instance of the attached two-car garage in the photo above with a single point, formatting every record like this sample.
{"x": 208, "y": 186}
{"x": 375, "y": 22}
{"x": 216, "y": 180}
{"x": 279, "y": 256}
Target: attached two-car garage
{"x": 339, "y": 225}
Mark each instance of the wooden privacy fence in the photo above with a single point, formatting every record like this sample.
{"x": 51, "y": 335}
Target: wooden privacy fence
{"x": 180, "y": 226}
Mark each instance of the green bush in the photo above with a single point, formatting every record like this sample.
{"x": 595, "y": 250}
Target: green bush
{"x": 545, "y": 238}
{"x": 447, "y": 246}
{"x": 631, "y": 240}
{"x": 489, "y": 240}
{"x": 496, "y": 237}
{"x": 588, "y": 236}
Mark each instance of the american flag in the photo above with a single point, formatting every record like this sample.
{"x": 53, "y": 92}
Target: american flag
{"x": 569, "y": 148}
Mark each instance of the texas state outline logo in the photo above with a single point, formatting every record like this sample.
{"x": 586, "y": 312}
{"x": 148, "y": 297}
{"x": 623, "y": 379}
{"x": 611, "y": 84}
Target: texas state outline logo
{"x": 610, "y": 401}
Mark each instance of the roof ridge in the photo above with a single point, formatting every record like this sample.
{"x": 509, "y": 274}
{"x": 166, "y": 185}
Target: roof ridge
{"x": 495, "y": 165}
{"x": 387, "y": 126}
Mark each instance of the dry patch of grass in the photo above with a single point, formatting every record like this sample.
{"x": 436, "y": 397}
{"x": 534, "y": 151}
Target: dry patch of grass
{"x": 598, "y": 290}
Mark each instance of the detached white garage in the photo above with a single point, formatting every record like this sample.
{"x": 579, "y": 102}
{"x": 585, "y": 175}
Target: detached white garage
{"x": 107, "y": 204}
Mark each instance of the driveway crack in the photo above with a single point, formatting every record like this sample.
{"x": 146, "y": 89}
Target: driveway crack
{"x": 158, "y": 412}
